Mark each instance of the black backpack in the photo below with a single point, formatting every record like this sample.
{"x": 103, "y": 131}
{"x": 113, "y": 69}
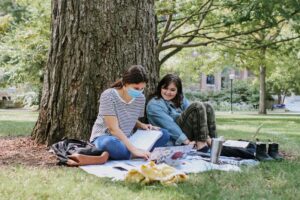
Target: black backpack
{"x": 69, "y": 146}
{"x": 245, "y": 153}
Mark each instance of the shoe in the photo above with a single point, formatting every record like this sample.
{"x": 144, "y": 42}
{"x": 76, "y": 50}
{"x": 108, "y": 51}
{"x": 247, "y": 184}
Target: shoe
{"x": 204, "y": 149}
{"x": 273, "y": 151}
{"x": 261, "y": 152}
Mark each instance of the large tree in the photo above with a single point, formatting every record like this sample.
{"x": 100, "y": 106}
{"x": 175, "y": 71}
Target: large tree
{"x": 92, "y": 42}
{"x": 275, "y": 25}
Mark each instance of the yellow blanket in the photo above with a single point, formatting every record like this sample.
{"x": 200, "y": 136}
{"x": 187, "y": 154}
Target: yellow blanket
{"x": 151, "y": 172}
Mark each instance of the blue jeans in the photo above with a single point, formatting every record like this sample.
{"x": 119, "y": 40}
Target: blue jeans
{"x": 117, "y": 149}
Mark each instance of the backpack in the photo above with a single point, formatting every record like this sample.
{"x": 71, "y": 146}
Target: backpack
{"x": 245, "y": 153}
{"x": 70, "y": 146}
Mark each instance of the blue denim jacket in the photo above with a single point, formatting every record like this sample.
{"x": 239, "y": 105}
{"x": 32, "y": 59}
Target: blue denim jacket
{"x": 163, "y": 113}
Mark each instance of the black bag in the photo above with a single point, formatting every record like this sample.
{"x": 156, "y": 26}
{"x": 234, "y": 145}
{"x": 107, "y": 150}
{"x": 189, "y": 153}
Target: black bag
{"x": 69, "y": 146}
{"x": 245, "y": 153}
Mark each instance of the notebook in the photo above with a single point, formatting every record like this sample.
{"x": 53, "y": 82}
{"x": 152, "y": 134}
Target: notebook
{"x": 170, "y": 154}
{"x": 236, "y": 143}
{"x": 144, "y": 139}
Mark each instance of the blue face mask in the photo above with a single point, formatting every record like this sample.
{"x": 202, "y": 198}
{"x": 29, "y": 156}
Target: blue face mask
{"x": 134, "y": 93}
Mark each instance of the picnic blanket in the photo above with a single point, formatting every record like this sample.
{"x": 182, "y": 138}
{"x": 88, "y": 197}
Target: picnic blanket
{"x": 117, "y": 170}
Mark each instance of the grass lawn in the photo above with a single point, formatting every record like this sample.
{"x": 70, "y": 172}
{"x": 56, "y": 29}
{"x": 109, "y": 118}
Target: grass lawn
{"x": 271, "y": 180}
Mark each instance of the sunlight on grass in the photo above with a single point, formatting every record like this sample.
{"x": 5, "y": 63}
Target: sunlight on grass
{"x": 18, "y": 115}
{"x": 17, "y": 128}
{"x": 283, "y": 129}
{"x": 17, "y": 122}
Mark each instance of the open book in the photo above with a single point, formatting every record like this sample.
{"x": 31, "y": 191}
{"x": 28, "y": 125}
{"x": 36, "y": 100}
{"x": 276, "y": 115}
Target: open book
{"x": 170, "y": 154}
{"x": 143, "y": 139}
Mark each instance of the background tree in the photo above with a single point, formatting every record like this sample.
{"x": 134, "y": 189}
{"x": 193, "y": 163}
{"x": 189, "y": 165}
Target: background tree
{"x": 92, "y": 42}
{"x": 25, "y": 43}
{"x": 285, "y": 76}
{"x": 194, "y": 23}
{"x": 252, "y": 50}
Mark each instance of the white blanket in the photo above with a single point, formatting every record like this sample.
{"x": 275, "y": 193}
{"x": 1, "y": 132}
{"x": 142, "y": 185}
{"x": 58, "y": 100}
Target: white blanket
{"x": 117, "y": 170}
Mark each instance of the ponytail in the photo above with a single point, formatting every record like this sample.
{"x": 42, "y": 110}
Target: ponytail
{"x": 134, "y": 74}
{"x": 118, "y": 84}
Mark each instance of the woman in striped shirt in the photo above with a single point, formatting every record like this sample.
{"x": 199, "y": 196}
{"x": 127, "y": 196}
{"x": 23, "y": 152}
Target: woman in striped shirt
{"x": 120, "y": 108}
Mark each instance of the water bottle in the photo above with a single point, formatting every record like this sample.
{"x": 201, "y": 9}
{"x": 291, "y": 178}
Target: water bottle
{"x": 216, "y": 148}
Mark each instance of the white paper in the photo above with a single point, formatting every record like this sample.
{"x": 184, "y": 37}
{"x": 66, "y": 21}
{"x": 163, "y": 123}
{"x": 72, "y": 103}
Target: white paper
{"x": 236, "y": 143}
{"x": 144, "y": 139}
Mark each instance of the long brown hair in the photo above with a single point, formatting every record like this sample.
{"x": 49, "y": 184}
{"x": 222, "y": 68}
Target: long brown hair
{"x": 134, "y": 74}
{"x": 165, "y": 82}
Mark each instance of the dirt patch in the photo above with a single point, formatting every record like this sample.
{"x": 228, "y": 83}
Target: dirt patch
{"x": 23, "y": 150}
{"x": 289, "y": 156}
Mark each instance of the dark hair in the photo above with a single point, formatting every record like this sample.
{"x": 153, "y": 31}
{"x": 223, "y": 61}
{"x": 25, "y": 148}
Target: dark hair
{"x": 134, "y": 74}
{"x": 165, "y": 82}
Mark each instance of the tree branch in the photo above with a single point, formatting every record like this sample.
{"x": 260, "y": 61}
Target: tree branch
{"x": 187, "y": 19}
{"x": 162, "y": 38}
{"x": 263, "y": 45}
{"x": 216, "y": 39}
{"x": 186, "y": 42}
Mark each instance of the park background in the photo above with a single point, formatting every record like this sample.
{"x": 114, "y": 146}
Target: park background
{"x": 61, "y": 54}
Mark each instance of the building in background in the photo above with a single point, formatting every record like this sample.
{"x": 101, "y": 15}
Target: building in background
{"x": 6, "y": 100}
{"x": 220, "y": 80}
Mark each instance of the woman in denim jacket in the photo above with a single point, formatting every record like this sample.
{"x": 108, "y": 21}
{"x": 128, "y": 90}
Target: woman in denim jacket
{"x": 188, "y": 124}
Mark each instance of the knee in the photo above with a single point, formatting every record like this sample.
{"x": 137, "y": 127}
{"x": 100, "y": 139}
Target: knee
{"x": 104, "y": 143}
{"x": 199, "y": 106}
{"x": 208, "y": 107}
{"x": 116, "y": 149}
{"x": 166, "y": 135}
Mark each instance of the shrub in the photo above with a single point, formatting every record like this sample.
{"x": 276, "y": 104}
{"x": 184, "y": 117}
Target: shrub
{"x": 245, "y": 96}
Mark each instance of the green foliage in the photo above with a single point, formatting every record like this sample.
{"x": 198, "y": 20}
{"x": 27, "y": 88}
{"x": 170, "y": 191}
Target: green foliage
{"x": 244, "y": 33}
{"x": 244, "y": 92}
{"x": 285, "y": 76}
{"x": 17, "y": 9}
{"x": 5, "y": 23}
{"x": 185, "y": 65}
{"x": 24, "y": 47}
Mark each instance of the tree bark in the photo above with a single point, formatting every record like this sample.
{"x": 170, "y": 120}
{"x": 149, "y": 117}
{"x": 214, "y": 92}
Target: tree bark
{"x": 262, "y": 84}
{"x": 279, "y": 100}
{"x": 92, "y": 42}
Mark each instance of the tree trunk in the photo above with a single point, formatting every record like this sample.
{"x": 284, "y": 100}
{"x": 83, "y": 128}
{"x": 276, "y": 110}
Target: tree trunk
{"x": 92, "y": 42}
{"x": 279, "y": 100}
{"x": 262, "y": 90}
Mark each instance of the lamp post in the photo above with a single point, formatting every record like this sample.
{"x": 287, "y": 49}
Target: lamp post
{"x": 231, "y": 77}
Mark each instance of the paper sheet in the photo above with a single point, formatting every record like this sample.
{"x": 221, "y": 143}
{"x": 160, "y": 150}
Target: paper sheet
{"x": 145, "y": 139}
{"x": 236, "y": 143}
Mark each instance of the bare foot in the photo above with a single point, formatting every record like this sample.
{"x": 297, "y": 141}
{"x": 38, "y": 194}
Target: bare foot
{"x": 80, "y": 159}
{"x": 208, "y": 141}
{"x": 200, "y": 144}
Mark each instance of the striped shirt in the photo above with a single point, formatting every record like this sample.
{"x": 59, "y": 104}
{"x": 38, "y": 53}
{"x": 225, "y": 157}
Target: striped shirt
{"x": 111, "y": 104}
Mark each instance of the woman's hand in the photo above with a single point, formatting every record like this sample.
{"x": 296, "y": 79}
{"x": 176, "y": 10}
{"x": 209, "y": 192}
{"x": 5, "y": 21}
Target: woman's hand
{"x": 149, "y": 127}
{"x": 140, "y": 153}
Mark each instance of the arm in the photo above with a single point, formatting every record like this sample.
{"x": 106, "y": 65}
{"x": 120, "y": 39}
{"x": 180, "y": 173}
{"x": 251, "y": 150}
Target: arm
{"x": 145, "y": 126}
{"x": 113, "y": 127}
{"x": 158, "y": 115}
